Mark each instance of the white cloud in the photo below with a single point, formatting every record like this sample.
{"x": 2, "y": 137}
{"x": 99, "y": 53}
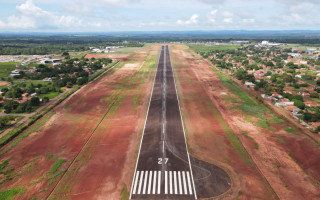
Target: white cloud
{"x": 248, "y": 21}
{"x": 227, "y": 14}
{"x": 29, "y": 8}
{"x": 227, "y": 20}
{"x": 32, "y": 17}
{"x": 212, "y": 16}
{"x": 193, "y": 20}
{"x": 23, "y": 22}
{"x": 77, "y": 8}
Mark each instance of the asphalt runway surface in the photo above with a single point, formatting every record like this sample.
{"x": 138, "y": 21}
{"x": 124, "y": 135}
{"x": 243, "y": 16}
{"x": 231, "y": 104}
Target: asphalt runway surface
{"x": 164, "y": 169}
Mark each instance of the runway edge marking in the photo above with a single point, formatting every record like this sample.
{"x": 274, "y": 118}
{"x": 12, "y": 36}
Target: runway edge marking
{"x": 144, "y": 127}
{"x": 194, "y": 188}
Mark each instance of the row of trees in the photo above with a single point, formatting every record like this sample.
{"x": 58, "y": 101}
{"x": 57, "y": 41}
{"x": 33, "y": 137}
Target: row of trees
{"x": 11, "y": 106}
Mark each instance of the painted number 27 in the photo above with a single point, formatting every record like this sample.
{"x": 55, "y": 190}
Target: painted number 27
{"x": 162, "y": 160}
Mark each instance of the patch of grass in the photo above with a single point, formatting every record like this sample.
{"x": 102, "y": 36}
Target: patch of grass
{"x": 276, "y": 120}
{"x": 201, "y": 48}
{"x": 49, "y": 156}
{"x": 227, "y": 160}
{"x": 291, "y": 130}
{"x": 38, "y": 180}
{"x": 4, "y": 164}
{"x": 280, "y": 140}
{"x": 36, "y": 127}
{"x": 50, "y": 95}
{"x": 56, "y": 166}
{"x": 256, "y": 145}
{"x": 264, "y": 123}
{"x": 233, "y": 139}
{"x": 6, "y": 68}
{"x": 54, "y": 176}
{"x": 124, "y": 193}
{"x": 11, "y": 193}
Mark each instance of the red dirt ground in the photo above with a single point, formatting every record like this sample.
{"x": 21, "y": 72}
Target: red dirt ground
{"x": 287, "y": 167}
{"x": 99, "y": 164}
{"x": 207, "y": 137}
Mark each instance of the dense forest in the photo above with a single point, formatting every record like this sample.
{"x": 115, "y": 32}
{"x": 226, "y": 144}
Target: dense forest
{"x": 43, "y": 44}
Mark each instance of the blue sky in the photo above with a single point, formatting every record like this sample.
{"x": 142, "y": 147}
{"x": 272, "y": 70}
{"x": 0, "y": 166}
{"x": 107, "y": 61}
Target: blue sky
{"x": 156, "y": 15}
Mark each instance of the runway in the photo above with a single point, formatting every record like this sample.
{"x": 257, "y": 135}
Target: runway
{"x": 164, "y": 168}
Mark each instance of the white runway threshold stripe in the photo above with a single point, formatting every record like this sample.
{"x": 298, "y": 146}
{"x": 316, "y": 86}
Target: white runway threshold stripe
{"x": 175, "y": 183}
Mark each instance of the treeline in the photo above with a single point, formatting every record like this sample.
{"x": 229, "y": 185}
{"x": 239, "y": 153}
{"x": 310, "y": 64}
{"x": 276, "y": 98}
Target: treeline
{"x": 55, "y": 45}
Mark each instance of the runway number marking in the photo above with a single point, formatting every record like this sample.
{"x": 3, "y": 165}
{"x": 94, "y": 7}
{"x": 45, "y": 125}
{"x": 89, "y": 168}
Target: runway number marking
{"x": 161, "y": 160}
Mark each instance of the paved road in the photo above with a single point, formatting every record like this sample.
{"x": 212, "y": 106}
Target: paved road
{"x": 163, "y": 169}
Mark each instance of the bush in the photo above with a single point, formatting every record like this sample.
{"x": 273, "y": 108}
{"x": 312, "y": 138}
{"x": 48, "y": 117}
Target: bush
{"x": 299, "y": 104}
{"x": 314, "y": 95}
{"x": 82, "y": 81}
{"x": 35, "y": 101}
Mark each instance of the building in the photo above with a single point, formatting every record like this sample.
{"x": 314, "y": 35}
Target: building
{"x": 50, "y": 61}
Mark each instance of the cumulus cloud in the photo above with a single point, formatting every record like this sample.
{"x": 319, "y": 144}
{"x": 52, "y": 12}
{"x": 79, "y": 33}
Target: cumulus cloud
{"x": 248, "y": 21}
{"x": 228, "y": 20}
{"x": 212, "y": 16}
{"x": 193, "y": 20}
{"x": 31, "y": 17}
{"x": 227, "y": 14}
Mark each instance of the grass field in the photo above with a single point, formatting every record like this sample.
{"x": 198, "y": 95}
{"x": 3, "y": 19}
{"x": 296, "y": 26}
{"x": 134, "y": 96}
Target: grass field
{"x": 301, "y": 46}
{"x": 201, "y": 48}
{"x": 6, "y": 68}
{"x": 50, "y": 95}
{"x": 248, "y": 105}
{"x": 35, "y": 83}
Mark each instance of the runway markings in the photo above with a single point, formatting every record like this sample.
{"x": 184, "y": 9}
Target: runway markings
{"x": 154, "y": 182}
{"x": 175, "y": 183}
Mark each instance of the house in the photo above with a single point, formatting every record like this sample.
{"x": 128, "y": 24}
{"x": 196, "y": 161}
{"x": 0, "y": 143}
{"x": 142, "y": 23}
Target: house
{"x": 291, "y": 108}
{"x": 296, "y": 111}
{"x": 47, "y": 79}
{"x": 284, "y": 103}
{"x": 249, "y": 84}
{"x": 311, "y": 103}
{"x": 50, "y": 61}
{"x": 275, "y": 94}
{"x": 302, "y": 62}
{"x": 294, "y": 55}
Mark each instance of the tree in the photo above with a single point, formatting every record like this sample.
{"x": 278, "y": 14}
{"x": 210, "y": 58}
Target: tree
{"x": 307, "y": 116}
{"x": 45, "y": 99}
{"x": 314, "y": 95}
{"x": 82, "y": 81}
{"x": 69, "y": 85}
{"x": 299, "y": 104}
{"x": 65, "y": 54}
{"x": 35, "y": 101}
{"x": 10, "y": 106}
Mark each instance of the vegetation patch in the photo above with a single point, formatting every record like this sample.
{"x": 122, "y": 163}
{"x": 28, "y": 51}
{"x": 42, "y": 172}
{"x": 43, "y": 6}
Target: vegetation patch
{"x": 280, "y": 140}
{"x": 6, "y": 68}
{"x": 124, "y": 193}
{"x": 201, "y": 48}
{"x": 256, "y": 145}
{"x": 11, "y": 193}
{"x": 233, "y": 139}
{"x": 56, "y": 165}
{"x": 291, "y": 130}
